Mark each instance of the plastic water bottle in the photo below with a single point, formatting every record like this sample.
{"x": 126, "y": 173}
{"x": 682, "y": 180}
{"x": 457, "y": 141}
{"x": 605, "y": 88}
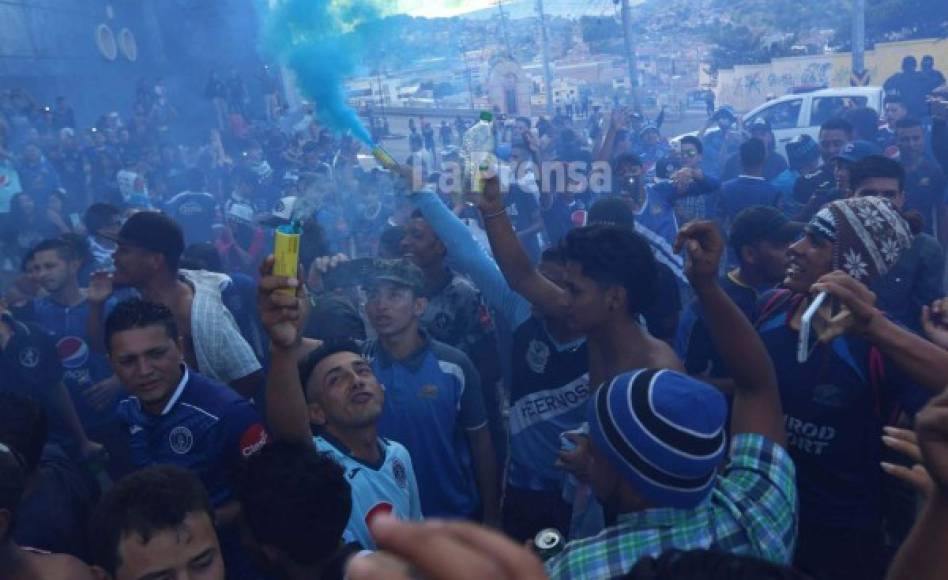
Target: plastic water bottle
{"x": 477, "y": 149}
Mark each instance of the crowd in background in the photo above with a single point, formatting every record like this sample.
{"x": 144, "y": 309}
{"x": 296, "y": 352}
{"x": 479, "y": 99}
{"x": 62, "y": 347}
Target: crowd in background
{"x": 608, "y": 359}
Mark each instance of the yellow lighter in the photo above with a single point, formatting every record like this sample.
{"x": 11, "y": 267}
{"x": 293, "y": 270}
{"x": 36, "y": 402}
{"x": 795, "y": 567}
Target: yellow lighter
{"x": 286, "y": 253}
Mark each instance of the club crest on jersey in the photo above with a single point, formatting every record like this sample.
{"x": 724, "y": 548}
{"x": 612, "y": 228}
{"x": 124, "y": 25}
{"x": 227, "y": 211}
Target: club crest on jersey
{"x": 181, "y": 439}
{"x": 538, "y": 354}
{"x": 400, "y": 473}
{"x": 428, "y": 392}
{"x": 29, "y": 357}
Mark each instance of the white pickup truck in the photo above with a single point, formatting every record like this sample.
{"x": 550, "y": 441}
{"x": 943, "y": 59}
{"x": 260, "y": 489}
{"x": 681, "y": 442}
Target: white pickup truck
{"x": 796, "y": 114}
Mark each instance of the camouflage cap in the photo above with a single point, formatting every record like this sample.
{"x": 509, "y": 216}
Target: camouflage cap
{"x": 400, "y": 271}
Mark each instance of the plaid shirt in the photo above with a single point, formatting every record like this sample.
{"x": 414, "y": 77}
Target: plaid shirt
{"x": 751, "y": 511}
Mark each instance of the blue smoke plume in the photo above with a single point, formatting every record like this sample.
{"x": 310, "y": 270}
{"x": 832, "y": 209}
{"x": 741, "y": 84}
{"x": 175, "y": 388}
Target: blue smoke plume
{"x": 320, "y": 41}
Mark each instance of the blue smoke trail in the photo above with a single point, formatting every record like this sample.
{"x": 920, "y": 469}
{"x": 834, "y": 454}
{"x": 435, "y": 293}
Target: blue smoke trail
{"x": 319, "y": 40}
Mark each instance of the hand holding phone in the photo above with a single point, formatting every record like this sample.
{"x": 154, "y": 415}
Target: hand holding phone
{"x": 806, "y": 322}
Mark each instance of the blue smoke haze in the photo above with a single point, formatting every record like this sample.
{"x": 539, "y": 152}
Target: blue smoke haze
{"x": 321, "y": 42}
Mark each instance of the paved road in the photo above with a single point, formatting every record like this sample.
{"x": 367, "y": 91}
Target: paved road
{"x": 692, "y": 120}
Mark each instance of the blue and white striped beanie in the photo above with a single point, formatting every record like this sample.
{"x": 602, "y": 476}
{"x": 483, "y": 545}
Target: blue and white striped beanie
{"x": 664, "y": 431}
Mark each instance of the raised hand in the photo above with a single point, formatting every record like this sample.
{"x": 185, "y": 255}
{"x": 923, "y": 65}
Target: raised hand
{"x": 905, "y": 441}
{"x": 858, "y": 310}
{"x": 704, "y": 246}
{"x": 490, "y": 199}
{"x": 931, "y": 429}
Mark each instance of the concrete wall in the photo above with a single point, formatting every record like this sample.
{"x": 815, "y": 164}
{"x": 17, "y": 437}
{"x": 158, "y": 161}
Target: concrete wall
{"x": 48, "y": 47}
{"x": 745, "y": 87}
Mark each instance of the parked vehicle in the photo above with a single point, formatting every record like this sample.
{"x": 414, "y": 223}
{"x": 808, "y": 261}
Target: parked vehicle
{"x": 796, "y": 114}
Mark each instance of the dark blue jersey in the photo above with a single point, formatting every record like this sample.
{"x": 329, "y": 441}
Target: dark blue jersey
{"x": 548, "y": 394}
{"x": 206, "y": 427}
{"x": 82, "y": 366}
{"x": 29, "y": 364}
{"x": 834, "y": 406}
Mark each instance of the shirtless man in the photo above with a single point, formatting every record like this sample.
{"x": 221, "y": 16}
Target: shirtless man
{"x": 150, "y": 245}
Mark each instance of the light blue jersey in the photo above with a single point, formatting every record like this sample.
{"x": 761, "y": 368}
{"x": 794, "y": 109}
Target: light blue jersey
{"x": 389, "y": 487}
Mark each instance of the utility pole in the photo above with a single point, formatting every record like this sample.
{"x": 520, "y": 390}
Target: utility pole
{"x": 547, "y": 75}
{"x": 503, "y": 28}
{"x": 378, "y": 77}
{"x": 630, "y": 54}
{"x": 467, "y": 71}
{"x": 859, "y": 41}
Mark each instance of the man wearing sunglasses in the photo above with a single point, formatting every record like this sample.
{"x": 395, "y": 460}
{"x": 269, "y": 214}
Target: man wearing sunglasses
{"x": 694, "y": 175}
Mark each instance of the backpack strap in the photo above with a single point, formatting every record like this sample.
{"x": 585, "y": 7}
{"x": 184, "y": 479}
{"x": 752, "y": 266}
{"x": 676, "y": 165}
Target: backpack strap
{"x": 774, "y": 302}
{"x": 876, "y": 381}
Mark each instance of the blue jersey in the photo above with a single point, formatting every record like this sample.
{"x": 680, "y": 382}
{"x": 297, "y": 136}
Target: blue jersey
{"x": 548, "y": 395}
{"x": 82, "y": 366}
{"x": 386, "y": 488}
{"x": 657, "y": 222}
{"x": 432, "y": 399}
{"x": 206, "y": 427}
{"x": 743, "y": 192}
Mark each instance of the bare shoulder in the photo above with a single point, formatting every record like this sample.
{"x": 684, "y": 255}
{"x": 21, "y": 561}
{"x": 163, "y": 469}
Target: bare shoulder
{"x": 661, "y": 356}
{"x": 61, "y": 567}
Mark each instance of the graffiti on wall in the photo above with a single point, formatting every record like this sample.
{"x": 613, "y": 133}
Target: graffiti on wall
{"x": 746, "y": 86}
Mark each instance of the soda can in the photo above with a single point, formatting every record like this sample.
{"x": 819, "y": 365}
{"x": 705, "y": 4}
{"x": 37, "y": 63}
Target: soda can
{"x": 548, "y": 543}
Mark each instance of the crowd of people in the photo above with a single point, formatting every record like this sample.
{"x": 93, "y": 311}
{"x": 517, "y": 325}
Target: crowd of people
{"x": 707, "y": 358}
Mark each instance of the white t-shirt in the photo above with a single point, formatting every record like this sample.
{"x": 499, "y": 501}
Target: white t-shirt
{"x": 386, "y": 488}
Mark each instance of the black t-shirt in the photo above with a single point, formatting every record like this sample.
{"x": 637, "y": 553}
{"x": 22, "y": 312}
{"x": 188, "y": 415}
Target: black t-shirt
{"x": 29, "y": 364}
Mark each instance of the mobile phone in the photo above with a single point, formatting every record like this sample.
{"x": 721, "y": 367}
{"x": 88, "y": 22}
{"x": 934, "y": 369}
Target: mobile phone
{"x": 351, "y": 273}
{"x": 806, "y": 323}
